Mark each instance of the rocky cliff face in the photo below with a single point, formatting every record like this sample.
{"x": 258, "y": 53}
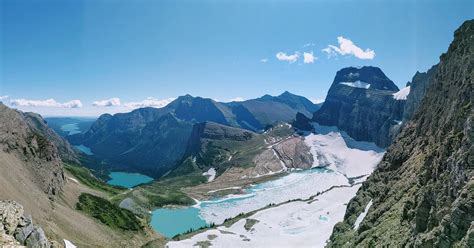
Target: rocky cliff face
{"x": 423, "y": 190}
{"x": 361, "y": 102}
{"x": 41, "y": 156}
{"x": 66, "y": 152}
{"x": 418, "y": 86}
{"x": 18, "y": 230}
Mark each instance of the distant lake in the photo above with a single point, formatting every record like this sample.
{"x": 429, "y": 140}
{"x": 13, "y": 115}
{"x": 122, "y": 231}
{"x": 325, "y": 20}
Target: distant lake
{"x": 71, "y": 128}
{"x": 84, "y": 149}
{"x": 170, "y": 222}
{"x": 128, "y": 180}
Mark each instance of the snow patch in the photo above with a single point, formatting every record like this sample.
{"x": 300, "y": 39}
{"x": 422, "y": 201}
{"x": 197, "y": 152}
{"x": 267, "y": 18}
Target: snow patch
{"x": 68, "y": 244}
{"x": 211, "y": 174}
{"x": 362, "y": 215}
{"x": 402, "y": 94}
{"x": 73, "y": 179}
{"x": 357, "y": 84}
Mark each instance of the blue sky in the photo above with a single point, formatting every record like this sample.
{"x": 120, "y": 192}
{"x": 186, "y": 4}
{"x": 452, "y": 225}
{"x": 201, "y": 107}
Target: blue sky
{"x": 128, "y": 51}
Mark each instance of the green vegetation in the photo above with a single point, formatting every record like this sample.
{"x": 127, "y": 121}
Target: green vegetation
{"x": 85, "y": 176}
{"x": 249, "y": 223}
{"x": 108, "y": 213}
{"x": 167, "y": 191}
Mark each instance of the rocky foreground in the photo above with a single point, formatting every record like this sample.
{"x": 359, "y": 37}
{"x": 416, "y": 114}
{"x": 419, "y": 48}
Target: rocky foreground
{"x": 18, "y": 230}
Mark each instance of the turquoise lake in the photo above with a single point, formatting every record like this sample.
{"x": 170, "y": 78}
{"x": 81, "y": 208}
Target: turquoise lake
{"x": 71, "y": 129}
{"x": 128, "y": 180}
{"x": 170, "y": 222}
{"x": 86, "y": 150}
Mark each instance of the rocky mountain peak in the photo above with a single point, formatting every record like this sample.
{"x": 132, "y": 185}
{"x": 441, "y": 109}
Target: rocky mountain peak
{"x": 368, "y": 77}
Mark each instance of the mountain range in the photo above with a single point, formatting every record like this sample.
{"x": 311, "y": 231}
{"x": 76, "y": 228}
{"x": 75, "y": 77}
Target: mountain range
{"x": 153, "y": 140}
{"x": 421, "y": 194}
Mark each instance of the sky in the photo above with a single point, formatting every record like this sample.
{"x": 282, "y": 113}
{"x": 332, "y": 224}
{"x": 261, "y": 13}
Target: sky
{"x": 85, "y": 58}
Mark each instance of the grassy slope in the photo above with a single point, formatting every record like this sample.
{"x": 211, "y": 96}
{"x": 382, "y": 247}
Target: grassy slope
{"x": 108, "y": 213}
{"x": 85, "y": 176}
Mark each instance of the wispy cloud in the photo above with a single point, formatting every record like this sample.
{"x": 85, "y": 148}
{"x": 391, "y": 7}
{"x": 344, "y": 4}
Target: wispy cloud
{"x": 311, "y": 44}
{"x": 45, "y": 103}
{"x": 107, "y": 103}
{"x": 237, "y": 99}
{"x": 3, "y": 97}
{"x": 309, "y": 58}
{"x": 264, "y": 60}
{"x": 347, "y": 47}
{"x": 149, "y": 102}
{"x": 292, "y": 58}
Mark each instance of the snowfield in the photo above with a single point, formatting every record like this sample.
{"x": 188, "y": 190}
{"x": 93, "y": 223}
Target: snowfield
{"x": 357, "y": 84}
{"x": 336, "y": 150}
{"x": 402, "y": 94}
{"x": 296, "y": 224}
{"x": 300, "y": 223}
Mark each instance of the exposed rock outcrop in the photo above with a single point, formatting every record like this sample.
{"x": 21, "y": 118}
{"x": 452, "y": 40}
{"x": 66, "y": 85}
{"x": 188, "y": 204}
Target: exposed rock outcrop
{"x": 66, "y": 152}
{"x": 17, "y": 230}
{"x": 361, "y": 102}
{"x": 29, "y": 144}
{"x": 418, "y": 86}
{"x": 423, "y": 190}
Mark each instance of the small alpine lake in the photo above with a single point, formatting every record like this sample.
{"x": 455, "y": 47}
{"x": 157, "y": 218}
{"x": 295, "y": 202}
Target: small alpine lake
{"x": 170, "y": 222}
{"x": 128, "y": 180}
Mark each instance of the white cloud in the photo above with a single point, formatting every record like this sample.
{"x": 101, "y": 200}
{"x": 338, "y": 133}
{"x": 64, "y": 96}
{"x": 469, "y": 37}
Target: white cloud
{"x": 237, "y": 99}
{"x": 264, "y": 60}
{"x": 149, "y": 102}
{"x": 311, "y": 44}
{"x": 107, "y": 103}
{"x": 347, "y": 47}
{"x": 3, "y": 97}
{"x": 316, "y": 100}
{"x": 309, "y": 58}
{"x": 292, "y": 58}
{"x": 45, "y": 103}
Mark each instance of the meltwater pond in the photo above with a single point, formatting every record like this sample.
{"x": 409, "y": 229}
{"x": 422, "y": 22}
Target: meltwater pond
{"x": 128, "y": 180}
{"x": 296, "y": 185}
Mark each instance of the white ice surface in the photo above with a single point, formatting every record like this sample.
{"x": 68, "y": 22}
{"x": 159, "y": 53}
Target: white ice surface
{"x": 362, "y": 215}
{"x": 402, "y": 94}
{"x": 357, "y": 84}
{"x": 295, "y": 224}
{"x": 336, "y": 150}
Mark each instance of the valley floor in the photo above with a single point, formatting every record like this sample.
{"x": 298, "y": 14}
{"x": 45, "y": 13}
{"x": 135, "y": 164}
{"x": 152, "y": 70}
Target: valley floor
{"x": 304, "y": 205}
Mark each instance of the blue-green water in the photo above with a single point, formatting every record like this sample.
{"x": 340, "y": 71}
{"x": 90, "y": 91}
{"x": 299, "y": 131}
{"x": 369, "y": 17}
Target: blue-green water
{"x": 71, "y": 129}
{"x": 170, "y": 222}
{"x": 128, "y": 180}
{"x": 84, "y": 149}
